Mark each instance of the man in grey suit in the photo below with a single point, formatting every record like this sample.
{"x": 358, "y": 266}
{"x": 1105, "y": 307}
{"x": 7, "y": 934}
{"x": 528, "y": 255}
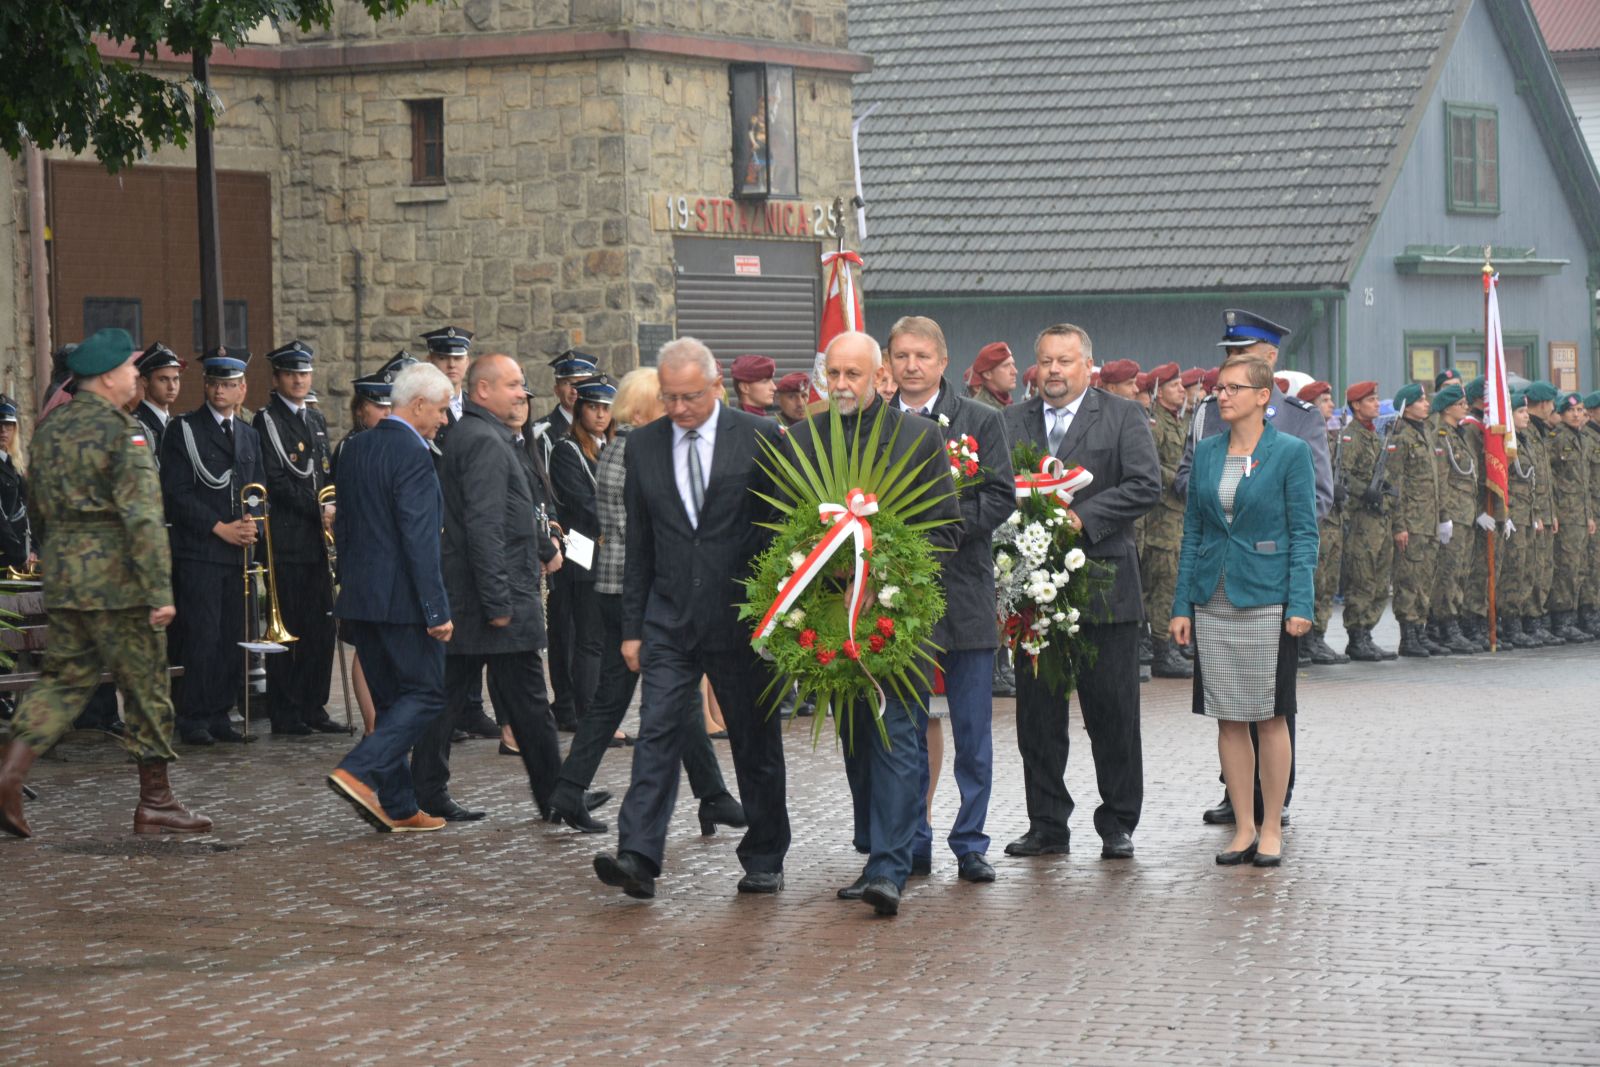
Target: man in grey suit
{"x": 1248, "y": 334}
{"x": 1109, "y": 437}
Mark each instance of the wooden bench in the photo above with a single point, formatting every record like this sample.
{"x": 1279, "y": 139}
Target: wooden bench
{"x": 28, "y": 637}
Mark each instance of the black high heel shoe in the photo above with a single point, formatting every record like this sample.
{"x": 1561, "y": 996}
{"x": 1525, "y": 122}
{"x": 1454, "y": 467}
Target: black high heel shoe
{"x": 1267, "y": 859}
{"x": 1235, "y": 858}
{"x": 720, "y": 809}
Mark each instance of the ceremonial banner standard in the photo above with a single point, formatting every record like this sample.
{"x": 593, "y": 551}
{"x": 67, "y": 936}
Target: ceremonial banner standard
{"x": 841, "y": 311}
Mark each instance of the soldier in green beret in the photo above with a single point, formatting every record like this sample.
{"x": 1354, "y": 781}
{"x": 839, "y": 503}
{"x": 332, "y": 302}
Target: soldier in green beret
{"x": 1575, "y": 519}
{"x": 1474, "y": 617}
{"x": 1513, "y": 586}
{"x": 1589, "y": 597}
{"x": 1460, "y": 491}
{"x": 1541, "y": 398}
{"x": 107, "y": 584}
{"x": 1416, "y": 523}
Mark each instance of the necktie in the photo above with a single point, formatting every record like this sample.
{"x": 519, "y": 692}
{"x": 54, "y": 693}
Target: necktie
{"x": 227, "y": 432}
{"x": 926, "y": 413}
{"x": 1058, "y": 428}
{"x": 697, "y": 484}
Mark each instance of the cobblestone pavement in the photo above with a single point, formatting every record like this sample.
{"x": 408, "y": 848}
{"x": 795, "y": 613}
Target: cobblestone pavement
{"x": 1437, "y": 905}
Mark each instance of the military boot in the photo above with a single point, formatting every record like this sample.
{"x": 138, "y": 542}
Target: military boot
{"x": 1432, "y": 639}
{"x": 1455, "y": 640}
{"x": 1564, "y": 628}
{"x": 1147, "y": 649}
{"x": 1360, "y": 647}
{"x": 1519, "y": 635}
{"x": 1477, "y": 630}
{"x": 1589, "y": 620}
{"x": 1411, "y": 643}
{"x": 1537, "y": 627}
{"x": 1321, "y": 653}
{"x": 159, "y": 812}
{"x": 1167, "y": 663}
{"x": 14, "y": 766}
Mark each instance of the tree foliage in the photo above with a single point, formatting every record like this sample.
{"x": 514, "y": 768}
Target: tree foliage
{"x": 57, "y": 89}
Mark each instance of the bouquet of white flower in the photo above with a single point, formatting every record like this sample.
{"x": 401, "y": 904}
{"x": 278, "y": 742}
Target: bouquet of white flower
{"x": 1043, "y": 581}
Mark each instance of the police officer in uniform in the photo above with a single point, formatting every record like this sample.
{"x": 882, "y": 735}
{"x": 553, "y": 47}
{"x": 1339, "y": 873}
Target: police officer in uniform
{"x": 298, "y": 464}
{"x": 1248, "y": 334}
{"x": 1163, "y": 526}
{"x": 1460, "y": 494}
{"x": 207, "y": 457}
{"x": 1330, "y": 537}
{"x": 1569, "y": 484}
{"x": 449, "y": 349}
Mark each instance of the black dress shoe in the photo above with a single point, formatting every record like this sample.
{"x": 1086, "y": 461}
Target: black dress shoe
{"x": 1036, "y": 843}
{"x": 450, "y": 811}
{"x": 1238, "y": 856}
{"x": 625, "y": 741}
{"x": 922, "y": 866}
{"x": 480, "y": 725}
{"x": 326, "y": 725}
{"x": 458, "y": 736}
{"x": 567, "y": 726}
{"x": 883, "y": 895}
{"x": 1117, "y": 846}
{"x": 854, "y": 889}
{"x": 974, "y": 868}
{"x": 595, "y": 798}
{"x": 576, "y": 817}
{"x": 1265, "y": 859}
{"x": 1221, "y": 815}
{"x": 196, "y": 735}
{"x": 626, "y": 871}
{"x": 293, "y": 729}
{"x": 232, "y": 736}
{"x": 723, "y": 809}
{"x": 507, "y": 750}
{"x": 761, "y": 882}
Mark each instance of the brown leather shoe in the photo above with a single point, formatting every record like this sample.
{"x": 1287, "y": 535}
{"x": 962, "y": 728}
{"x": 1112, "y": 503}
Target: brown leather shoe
{"x": 361, "y": 797}
{"x": 159, "y": 812}
{"x": 14, "y": 766}
{"x": 420, "y": 821}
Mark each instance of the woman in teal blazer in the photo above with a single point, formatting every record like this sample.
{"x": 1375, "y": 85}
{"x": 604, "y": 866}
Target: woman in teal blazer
{"x": 1245, "y": 596}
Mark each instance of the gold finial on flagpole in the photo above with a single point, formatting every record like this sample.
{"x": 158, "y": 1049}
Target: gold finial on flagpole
{"x": 1487, "y": 267}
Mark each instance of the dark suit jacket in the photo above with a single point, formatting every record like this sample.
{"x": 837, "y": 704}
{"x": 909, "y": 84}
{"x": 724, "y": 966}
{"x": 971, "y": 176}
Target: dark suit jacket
{"x": 681, "y": 582}
{"x": 387, "y": 529}
{"x": 969, "y": 614}
{"x": 14, "y": 534}
{"x": 1269, "y": 552}
{"x": 491, "y": 543}
{"x": 296, "y": 515}
{"x": 154, "y": 429}
{"x": 193, "y": 507}
{"x": 1110, "y": 438}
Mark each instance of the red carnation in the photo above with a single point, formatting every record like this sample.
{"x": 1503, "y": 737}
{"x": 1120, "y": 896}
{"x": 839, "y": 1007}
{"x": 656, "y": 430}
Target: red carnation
{"x": 825, "y": 656}
{"x": 876, "y": 642}
{"x": 972, "y": 468}
{"x": 885, "y": 626}
{"x": 808, "y": 638}
{"x": 852, "y": 650}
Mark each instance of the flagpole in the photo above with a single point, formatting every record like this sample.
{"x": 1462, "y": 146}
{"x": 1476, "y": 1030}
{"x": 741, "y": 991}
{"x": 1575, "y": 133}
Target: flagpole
{"x": 1488, "y": 508}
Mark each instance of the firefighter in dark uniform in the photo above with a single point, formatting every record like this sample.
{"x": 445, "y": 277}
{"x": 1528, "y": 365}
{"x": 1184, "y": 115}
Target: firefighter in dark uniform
{"x": 16, "y": 543}
{"x": 450, "y": 349}
{"x": 296, "y": 459}
{"x": 160, "y": 373}
{"x": 207, "y": 457}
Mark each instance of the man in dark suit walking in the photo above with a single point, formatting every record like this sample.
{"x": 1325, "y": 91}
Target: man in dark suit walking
{"x": 207, "y": 458}
{"x": 1109, "y": 437}
{"x": 494, "y": 551}
{"x": 692, "y": 535}
{"x": 391, "y": 595}
{"x": 918, "y": 357}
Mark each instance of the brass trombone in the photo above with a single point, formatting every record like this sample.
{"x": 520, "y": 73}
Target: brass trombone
{"x": 251, "y": 495}
{"x": 327, "y": 496}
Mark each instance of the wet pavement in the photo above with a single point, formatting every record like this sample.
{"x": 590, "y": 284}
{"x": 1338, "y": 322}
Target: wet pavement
{"x": 1437, "y": 904}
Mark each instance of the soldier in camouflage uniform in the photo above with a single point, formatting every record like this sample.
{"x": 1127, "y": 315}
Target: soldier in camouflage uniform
{"x": 1474, "y": 616}
{"x": 1589, "y": 596}
{"x": 1415, "y": 521}
{"x": 1513, "y": 588}
{"x": 1541, "y": 397}
{"x": 107, "y": 581}
{"x": 1569, "y": 484}
{"x": 1368, "y": 545}
{"x": 1330, "y": 538}
{"x": 1460, "y": 491}
{"x": 1163, "y": 526}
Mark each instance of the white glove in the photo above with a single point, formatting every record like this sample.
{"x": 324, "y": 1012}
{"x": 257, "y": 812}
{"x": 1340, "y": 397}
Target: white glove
{"x": 1446, "y": 530}
{"x": 1485, "y": 522}
{"x": 1508, "y": 529}
{"x": 1538, "y": 526}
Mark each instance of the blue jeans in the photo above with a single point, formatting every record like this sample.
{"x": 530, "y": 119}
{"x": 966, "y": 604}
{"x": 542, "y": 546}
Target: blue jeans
{"x": 968, "y": 689}
{"x": 404, "y": 668}
{"x": 887, "y": 786}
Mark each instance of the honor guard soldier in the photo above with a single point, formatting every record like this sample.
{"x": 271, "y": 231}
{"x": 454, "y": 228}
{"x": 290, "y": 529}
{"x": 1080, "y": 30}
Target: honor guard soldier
{"x": 1368, "y": 545}
{"x": 449, "y": 349}
{"x": 1513, "y": 584}
{"x": 1575, "y": 521}
{"x": 1589, "y": 598}
{"x": 1163, "y": 526}
{"x": 297, "y": 461}
{"x": 1416, "y": 521}
{"x": 1460, "y": 475}
{"x": 1330, "y": 536}
{"x": 160, "y": 370}
{"x": 1475, "y": 581}
{"x": 207, "y": 458}
{"x": 1541, "y": 397}
{"x": 753, "y": 384}
{"x": 16, "y": 539}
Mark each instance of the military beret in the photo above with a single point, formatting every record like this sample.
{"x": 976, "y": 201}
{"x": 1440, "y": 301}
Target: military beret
{"x": 1282, "y": 383}
{"x": 1164, "y": 373}
{"x": 1569, "y": 401}
{"x": 1141, "y": 381}
{"x": 1475, "y": 389}
{"x": 1449, "y": 374}
{"x": 1446, "y": 396}
{"x": 793, "y": 383}
{"x": 1541, "y": 393}
{"x": 990, "y": 356}
{"x": 754, "y": 368}
{"x": 1407, "y": 395}
{"x": 1031, "y": 375}
{"x": 1310, "y": 392}
{"x": 1193, "y": 376}
{"x": 1119, "y": 370}
{"x": 1209, "y": 381}
{"x": 1592, "y": 401}
{"x": 1360, "y": 391}
{"x": 1519, "y": 399}
{"x": 104, "y": 351}
{"x": 1241, "y": 329}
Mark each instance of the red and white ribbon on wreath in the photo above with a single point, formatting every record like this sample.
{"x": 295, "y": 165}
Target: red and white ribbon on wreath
{"x": 1053, "y": 480}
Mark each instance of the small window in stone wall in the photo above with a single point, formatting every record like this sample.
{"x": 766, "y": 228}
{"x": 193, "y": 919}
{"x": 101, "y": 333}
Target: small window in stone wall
{"x": 427, "y": 142}
{"x": 235, "y": 325}
{"x": 113, "y": 312}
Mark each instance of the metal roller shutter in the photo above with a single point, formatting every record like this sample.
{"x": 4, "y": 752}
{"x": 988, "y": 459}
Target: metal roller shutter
{"x": 772, "y": 314}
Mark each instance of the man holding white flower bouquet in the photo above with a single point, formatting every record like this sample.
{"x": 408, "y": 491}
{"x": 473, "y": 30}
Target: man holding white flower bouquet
{"x": 981, "y": 466}
{"x": 1110, "y": 438}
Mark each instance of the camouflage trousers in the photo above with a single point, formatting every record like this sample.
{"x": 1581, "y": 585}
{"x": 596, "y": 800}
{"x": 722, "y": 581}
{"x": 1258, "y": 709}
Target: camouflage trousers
{"x": 82, "y": 644}
{"x": 1512, "y": 590}
{"x": 1570, "y": 552}
{"x": 1539, "y": 576}
{"x": 1368, "y": 556}
{"x": 1330, "y": 555}
{"x": 1475, "y": 582}
{"x": 1158, "y": 569}
{"x": 1413, "y": 577}
{"x": 1451, "y": 573}
{"x": 1589, "y": 596}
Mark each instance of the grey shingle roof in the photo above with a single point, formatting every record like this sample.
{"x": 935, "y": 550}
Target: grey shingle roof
{"x": 1131, "y": 145}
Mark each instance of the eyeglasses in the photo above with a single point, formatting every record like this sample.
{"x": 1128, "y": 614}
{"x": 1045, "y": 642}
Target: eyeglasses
{"x": 673, "y": 399}
{"x": 1234, "y": 388}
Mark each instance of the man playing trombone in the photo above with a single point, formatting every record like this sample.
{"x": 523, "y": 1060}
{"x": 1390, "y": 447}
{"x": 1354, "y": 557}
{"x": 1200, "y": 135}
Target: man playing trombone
{"x": 295, "y": 459}
{"x": 207, "y": 458}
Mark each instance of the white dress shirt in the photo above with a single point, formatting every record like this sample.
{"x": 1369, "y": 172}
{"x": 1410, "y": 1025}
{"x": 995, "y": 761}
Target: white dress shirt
{"x": 161, "y": 416}
{"x": 455, "y": 405}
{"x": 680, "y": 458}
{"x": 925, "y": 410}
